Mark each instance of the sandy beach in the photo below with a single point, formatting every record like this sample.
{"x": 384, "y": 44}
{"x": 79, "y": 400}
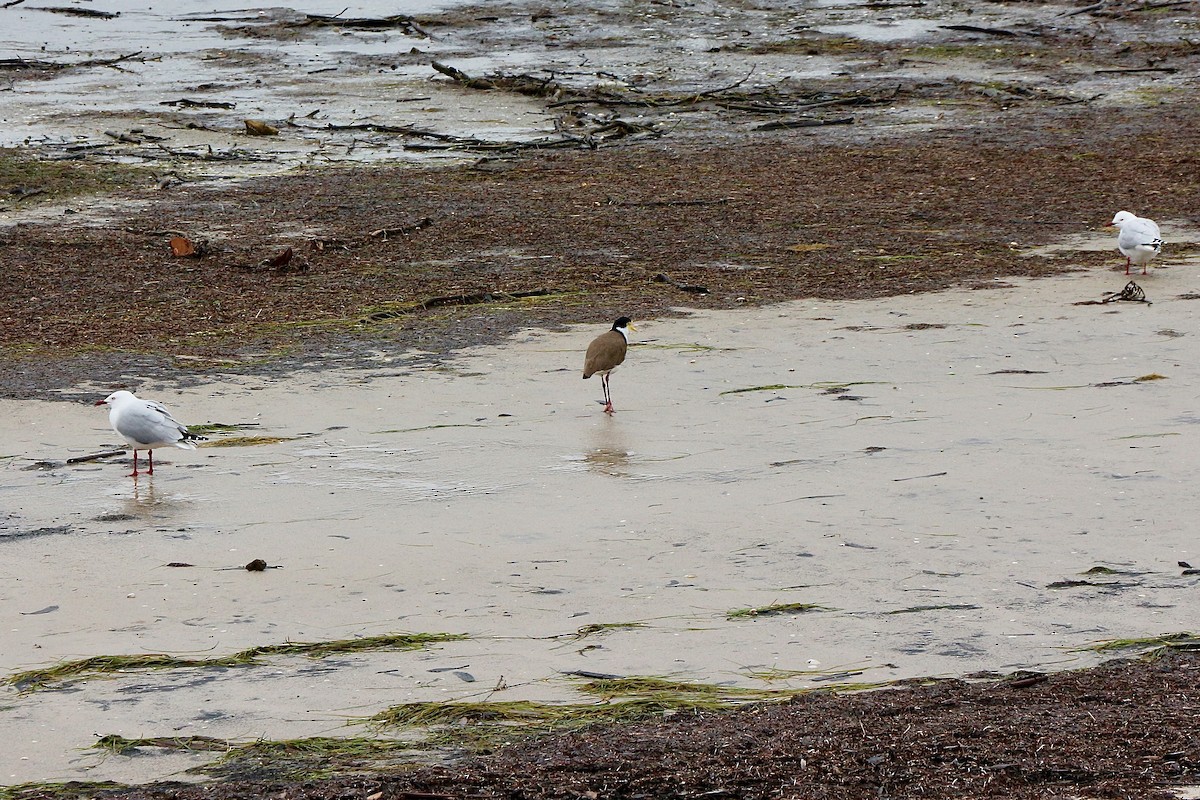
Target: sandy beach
{"x": 927, "y": 472}
{"x": 875, "y": 426}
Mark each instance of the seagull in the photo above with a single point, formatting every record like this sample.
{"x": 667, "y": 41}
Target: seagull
{"x": 146, "y": 425}
{"x": 1139, "y": 240}
{"x": 605, "y": 354}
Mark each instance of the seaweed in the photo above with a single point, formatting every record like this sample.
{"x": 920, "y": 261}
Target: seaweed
{"x": 115, "y": 743}
{"x": 771, "y": 387}
{"x": 941, "y": 607}
{"x": 433, "y": 427}
{"x": 604, "y": 627}
{"x": 775, "y": 608}
{"x": 24, "y": 176}
{"x": 94, "y": 666}
{"x": 58, "y": 791}
{"x": 825, "y": 386}
{"x": 248, "y": 441}
{"x": 1154, "y": 644}
{"x": 285, "y": 759}
{"x": 664, "y": 690}
{"x": 220, "y": 427}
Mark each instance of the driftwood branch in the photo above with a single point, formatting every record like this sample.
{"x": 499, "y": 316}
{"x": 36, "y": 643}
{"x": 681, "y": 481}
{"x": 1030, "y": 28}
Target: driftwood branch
{"x": 1101, "y": 9}
{"x": 987, "y": 31}
{"x": 1132, "y": 70}
{"x": 383, "y": 234}
{"x": 610, "y": 130}
{"x": 95, "y": 456}
{"x": 802, "y": 122}
{"x": 27, "y": 63}
{"x": 73, "y": 11}
{"x": 183, "y": 102}
{"x": 23, "y": 193}
{"x": 1085, "y": 9}
{"x": 405, "y": 23}
{"x": 403, "y": 230}
{"x": 730, "y": 87}
{"x": 521, "y": 84}
{"x": 106, "y": 62}
{"x": 209, "y": 154}
{"x": 451, "y": 72}
{"x": 454, "y": 300}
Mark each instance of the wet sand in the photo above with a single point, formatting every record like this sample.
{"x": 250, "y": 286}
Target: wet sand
{"x": 937, "y": 474}
{"x": 988, "y": 444}
{"x": 182, "y": 82}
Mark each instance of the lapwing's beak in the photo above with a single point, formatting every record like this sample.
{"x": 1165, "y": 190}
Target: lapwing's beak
{"x": 631, "y": 327}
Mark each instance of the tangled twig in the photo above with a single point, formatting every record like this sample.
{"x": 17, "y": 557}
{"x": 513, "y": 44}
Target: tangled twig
{"x": 1131, "y": 292}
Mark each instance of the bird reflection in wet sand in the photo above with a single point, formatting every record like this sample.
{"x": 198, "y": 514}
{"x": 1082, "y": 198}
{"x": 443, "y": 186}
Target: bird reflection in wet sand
{"x": 143, "y": 501}
{"x": 609, "y": 460}
{"x": 609, "y": 453}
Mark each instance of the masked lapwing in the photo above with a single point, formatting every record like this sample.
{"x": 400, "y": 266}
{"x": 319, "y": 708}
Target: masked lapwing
{"x": 605, "y": 353}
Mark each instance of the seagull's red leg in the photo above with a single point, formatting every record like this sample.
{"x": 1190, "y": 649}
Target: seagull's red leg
{"x": 1127, "y": 265}
{"x": 150, "y": 455}
{"x": 134, "y": 473}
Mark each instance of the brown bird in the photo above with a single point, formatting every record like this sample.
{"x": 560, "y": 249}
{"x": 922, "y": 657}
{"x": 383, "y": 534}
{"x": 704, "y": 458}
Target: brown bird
{"x": 605, "y": 353}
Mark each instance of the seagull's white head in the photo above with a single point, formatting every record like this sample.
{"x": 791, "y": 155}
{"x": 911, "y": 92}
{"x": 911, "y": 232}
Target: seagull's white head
{"x": 1122, "y": 217}
{"x": 116, "y": 397}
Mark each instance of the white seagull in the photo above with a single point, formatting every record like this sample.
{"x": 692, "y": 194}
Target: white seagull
{"x": 1139, "y": 240}
{"x": 146, "y": 425}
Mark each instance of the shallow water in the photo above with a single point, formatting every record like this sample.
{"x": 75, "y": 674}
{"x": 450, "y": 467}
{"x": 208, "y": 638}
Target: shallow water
{"x": 969, "y": 464}
{"x": 324, "y": 87}
{"x": 230, "y": 54}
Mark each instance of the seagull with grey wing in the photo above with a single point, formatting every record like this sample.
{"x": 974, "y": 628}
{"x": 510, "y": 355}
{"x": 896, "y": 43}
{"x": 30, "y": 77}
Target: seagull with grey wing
{"x": 1139, "y": 240}
{"x": 145, "y": 425}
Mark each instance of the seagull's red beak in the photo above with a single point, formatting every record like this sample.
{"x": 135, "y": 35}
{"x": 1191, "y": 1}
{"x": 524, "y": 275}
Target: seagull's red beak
{"x": 100, "y": 403}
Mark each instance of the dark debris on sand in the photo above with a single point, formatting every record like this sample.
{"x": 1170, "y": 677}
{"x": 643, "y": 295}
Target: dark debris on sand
{"x": 1126, "y": 729}
{"x": 590, "y": 234}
